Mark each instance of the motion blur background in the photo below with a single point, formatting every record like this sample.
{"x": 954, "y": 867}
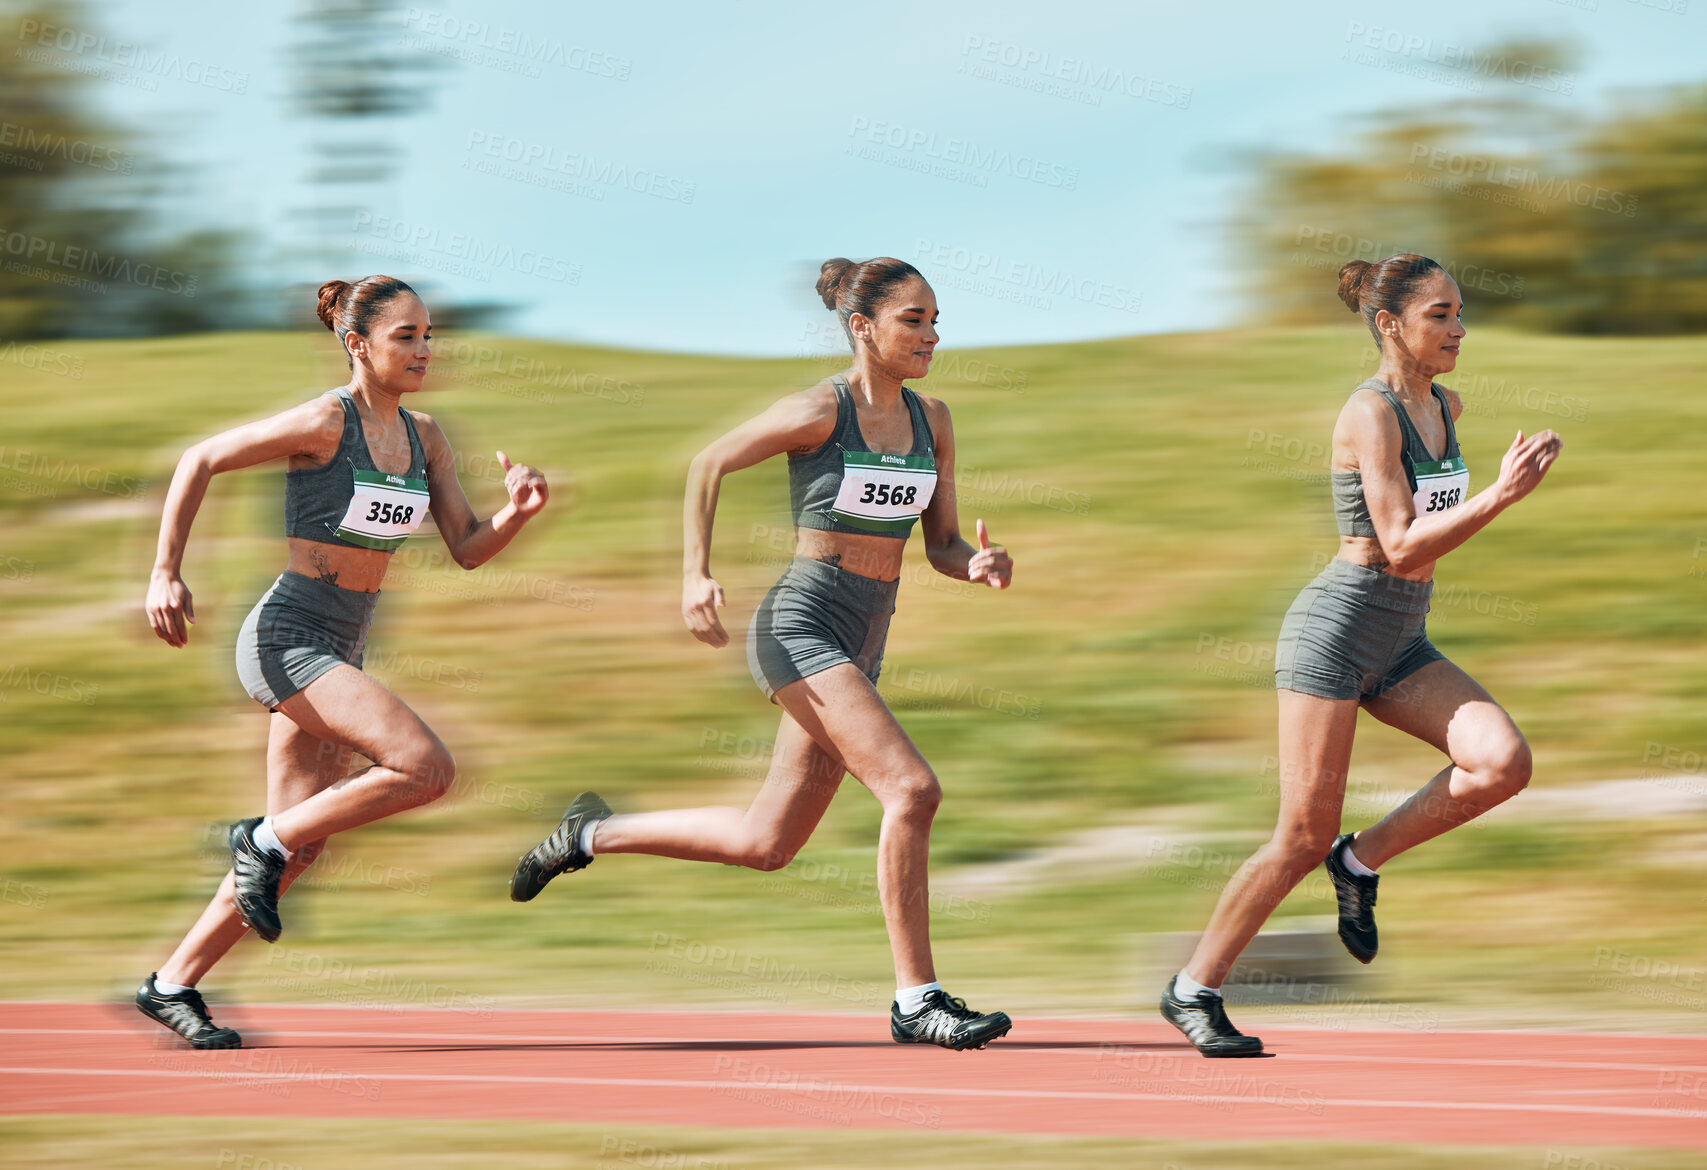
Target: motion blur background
{"x": 1132, "y": 219}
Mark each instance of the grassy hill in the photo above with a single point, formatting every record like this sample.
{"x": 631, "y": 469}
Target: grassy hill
{"x": 1163, "y": 498}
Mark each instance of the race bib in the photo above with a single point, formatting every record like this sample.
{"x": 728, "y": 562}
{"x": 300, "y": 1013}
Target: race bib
{"x": 1441, "y": 485}
{"x": 384, "y": 510}
{"x": 883, "y": 493}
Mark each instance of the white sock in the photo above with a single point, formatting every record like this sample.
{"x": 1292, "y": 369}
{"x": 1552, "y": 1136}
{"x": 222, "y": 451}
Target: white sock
{"x": 911, "y": 999}
{"x": 1185, "y": 987}
{"x": 587, "y": 837}
{"x": 1351, "y": 861}
{"x": 165, "y": 988}
{"x": 269, "y": 840}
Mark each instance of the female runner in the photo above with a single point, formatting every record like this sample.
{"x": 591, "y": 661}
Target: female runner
{"x": 867, "y": 457}
{"x": 1355, "y": 638}
{"x": 363, "y": 474}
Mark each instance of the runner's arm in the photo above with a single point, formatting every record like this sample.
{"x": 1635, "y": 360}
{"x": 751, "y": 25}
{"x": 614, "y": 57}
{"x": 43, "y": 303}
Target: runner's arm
{"x": 312, "y": 429}
{"x": 800, "y": 422}
{"x": 473, "y": 541}
{"x": 948, "y": 551}
{"x": 1408, "y": 540}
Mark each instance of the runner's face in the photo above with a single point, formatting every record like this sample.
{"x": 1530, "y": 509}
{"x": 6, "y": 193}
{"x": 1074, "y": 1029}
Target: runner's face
{"x": 398, "y": 347}
{"x": 1431, "y": 328}
{"x": 901, "y": 338}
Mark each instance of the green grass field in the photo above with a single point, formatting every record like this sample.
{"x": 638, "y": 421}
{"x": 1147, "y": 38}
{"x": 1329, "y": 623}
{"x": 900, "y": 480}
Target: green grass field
{"x": 1163, "y": 499}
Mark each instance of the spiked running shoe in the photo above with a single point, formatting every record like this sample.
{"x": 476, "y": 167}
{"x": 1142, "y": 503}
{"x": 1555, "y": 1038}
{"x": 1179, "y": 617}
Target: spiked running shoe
{"x": 560, "y": 852}
{"x": 185, "y": 1014}
{"x": 1204, "y": 1022}
{"x": 1356, "y": 895}
{"x": 256, "y": 873}
{"x": 947, "y": 1021}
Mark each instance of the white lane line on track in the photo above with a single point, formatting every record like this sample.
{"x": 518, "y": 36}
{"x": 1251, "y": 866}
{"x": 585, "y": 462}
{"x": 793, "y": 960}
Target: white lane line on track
{"x": 821, "y": 1088}
{"x": 1178, "y": 1048}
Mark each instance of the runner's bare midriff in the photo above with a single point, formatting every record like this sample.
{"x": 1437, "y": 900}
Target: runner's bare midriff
{"x": 357, "y": 569}
{"x": 877, "y": 557}
{"x": 1362, "y": 550}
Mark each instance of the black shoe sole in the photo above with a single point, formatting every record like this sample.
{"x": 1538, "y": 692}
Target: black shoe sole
{"x": 230, "y": 1039}
{"x": 967, "y": 1045}
{"x": 205, "y": 1045}
{"x": 1210, "y": 1053}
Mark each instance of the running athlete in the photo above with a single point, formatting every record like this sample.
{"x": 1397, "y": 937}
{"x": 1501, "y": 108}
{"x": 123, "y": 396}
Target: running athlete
{"x": 867, "y": 458}
{"x": 1355, "y": 638}
{"x": 363, "y": 474}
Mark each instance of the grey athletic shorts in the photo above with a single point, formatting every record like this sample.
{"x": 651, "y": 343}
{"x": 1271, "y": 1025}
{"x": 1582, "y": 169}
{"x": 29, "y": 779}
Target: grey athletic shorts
{"x": 1352, "y": 633}
{"x": 300, "y": 629}
{"x": 815, "y": 617}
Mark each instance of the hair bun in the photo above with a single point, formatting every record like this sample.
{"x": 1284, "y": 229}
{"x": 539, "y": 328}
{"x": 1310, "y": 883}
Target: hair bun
{"x": 330, "y": 292}
{"x": 1352, "y": 274}
{"x": 831, "y": 274}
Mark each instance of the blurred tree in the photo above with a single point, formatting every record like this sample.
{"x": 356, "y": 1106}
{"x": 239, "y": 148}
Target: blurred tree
{"x": 82, "y": 250}
{"x": 356, "y": 79}
{"x": 1546, "y": 220}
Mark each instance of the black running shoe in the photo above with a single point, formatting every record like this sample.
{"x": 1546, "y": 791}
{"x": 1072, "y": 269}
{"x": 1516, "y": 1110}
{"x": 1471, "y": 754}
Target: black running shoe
{"x": 560, "y": 852}
{"x": 947, "y": 1021}
{"x": 185, "y": 1014}
{"x": 1204, "y": 1022}
{"x": 1356, "y": 895}
{"x": 257, "y": 872}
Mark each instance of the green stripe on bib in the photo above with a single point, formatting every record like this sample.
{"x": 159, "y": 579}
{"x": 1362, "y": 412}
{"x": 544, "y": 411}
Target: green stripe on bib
{"x": 888, "y": 462}
{"x": 395, "y": 483}
{"x": 1439, "y": 467}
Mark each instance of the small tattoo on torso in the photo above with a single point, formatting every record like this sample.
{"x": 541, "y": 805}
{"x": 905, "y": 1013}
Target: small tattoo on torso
{"x": 323, "y": 567}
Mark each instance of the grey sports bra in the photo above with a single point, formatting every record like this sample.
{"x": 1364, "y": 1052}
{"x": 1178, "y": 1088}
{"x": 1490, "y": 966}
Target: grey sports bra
{"x": 1351, "y": 509}
{"x": 347, "y": 500}
{"x": 845, "y": 486}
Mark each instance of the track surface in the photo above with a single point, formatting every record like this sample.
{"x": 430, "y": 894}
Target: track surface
{"x": 1126, "y": 1077}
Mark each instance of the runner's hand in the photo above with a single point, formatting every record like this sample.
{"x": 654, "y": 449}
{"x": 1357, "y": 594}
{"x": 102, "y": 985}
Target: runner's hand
{"x": 169, "y": 607}
{"x": 1526, "y": 461}
{"x": 701, "y": 599}
{"x": 526, "y": 485}
{"x": 990, "y": 563}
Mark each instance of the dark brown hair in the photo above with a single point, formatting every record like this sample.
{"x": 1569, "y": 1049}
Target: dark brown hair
{"x": 848, "y": 287}
{"x": 1387, "y": 284}
{"x": 352, "y": 308}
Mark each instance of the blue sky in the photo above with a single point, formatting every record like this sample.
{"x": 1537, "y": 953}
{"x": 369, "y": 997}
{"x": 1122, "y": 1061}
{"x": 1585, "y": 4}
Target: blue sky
{"x": 669, "y": 176}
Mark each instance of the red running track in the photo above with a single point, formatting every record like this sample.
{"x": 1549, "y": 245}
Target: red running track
{"x": 1122, "y": 1077}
